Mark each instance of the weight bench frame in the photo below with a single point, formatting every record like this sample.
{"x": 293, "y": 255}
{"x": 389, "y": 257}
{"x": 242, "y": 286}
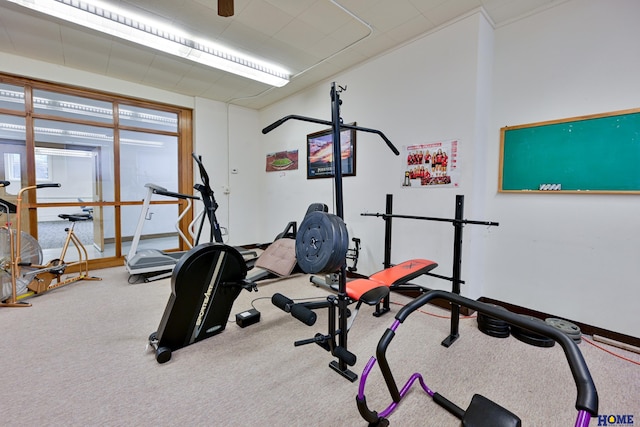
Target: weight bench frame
{"x": 370, "y": 291}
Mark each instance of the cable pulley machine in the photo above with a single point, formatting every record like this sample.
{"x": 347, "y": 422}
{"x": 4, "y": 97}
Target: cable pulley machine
{"x": 338, "y": 349}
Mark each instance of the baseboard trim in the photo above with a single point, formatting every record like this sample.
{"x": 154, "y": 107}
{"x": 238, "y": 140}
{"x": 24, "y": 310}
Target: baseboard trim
{"x": 584, "y": 328}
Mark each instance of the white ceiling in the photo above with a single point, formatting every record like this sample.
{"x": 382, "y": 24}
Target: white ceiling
{"x": 313, "y": 39}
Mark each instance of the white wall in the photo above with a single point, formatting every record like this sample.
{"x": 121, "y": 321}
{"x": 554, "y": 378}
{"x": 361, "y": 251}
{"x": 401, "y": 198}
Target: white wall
{"x": 574, "y": 256}
{"x": 228, "y": 139}
{"x": 430, "y": 90}
{"x": 571, "y": 255}
{"x": 26, "y": 67}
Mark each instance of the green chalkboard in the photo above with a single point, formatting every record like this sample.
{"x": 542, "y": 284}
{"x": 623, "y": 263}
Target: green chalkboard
{"x": 589, "y": 154}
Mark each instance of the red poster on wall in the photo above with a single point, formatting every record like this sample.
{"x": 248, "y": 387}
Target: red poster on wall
{"x": 430, "y": 165}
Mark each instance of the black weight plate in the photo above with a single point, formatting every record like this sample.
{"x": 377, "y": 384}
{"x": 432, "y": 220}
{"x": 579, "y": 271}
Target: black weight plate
{"x": 537, "y": 340}
{"x": 564, "y": 326}
{"x": 318, "y": 240}
{"x": 493, "y": 328}
{"x": 315, "y": 242}
{"x": 334, "y": 258}
{"x": 341, "y": 247}
{"x": 526, "y": 331}
{"x": 494, "y": 333}
{"x": 531, "y": 338}
{"x": 491, "y": 321}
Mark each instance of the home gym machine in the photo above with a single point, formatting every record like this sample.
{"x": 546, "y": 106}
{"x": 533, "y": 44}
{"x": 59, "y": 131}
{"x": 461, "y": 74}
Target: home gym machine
{"x": 458, "y": 223}
{"x": 210, "y": 205}
{"x": 206, "y": 281}
{"x": 209, "y": 213}
{"x": 204, "y": 284}
{"x": 321, "y": 246}
{"x": 481, "y": 412}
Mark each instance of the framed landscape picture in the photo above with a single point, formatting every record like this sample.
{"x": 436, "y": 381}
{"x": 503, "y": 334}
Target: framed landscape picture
{"x": 320, "y": 153}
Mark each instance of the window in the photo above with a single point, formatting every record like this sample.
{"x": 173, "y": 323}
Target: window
{"x": 101, "y": 149}
{"x": 12, "y": 171}
{"x": 11, "y": 97}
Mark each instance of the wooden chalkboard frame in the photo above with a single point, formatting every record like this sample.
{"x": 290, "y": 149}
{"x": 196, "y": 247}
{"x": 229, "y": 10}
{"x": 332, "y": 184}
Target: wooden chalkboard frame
{"x": 582, "y": 165}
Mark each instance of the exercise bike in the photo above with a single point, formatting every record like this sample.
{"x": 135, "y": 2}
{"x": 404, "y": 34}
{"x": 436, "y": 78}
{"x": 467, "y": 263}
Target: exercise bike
{"x": 21, "y": 258}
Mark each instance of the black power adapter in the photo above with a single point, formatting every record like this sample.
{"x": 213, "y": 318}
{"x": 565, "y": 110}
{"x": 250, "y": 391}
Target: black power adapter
{"x": 247, "y": 318}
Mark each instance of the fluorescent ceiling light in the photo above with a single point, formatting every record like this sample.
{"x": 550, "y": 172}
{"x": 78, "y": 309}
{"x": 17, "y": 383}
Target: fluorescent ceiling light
{"x": 112, "y": 20}
{"x": 62, "y": 152}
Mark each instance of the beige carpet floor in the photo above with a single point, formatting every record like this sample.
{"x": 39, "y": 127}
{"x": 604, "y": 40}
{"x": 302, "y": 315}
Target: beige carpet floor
{"x": 77, "y": 358}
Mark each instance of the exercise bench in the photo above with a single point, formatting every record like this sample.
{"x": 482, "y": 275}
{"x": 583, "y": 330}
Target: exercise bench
{"x": 394, "y": 278}
{"x": 371, "y": 291}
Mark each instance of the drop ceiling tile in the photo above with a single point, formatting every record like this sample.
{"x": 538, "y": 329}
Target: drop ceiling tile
{"x": 509, "y": 11}
{"x": 129, "y": 63}
{"x": 201, "y": 21}
{"x": 324, "y": 17}
{"x": 375, "y": 45}
{"x": 395, "y": 13}
{"x": 293, "y": 7}
{"x": 424, "y": 6}
{"x": 299, "y": 35}
{"x": 265, "y": 18}
{"x": 410, "y": 29}
{"x": 447, "y": 11}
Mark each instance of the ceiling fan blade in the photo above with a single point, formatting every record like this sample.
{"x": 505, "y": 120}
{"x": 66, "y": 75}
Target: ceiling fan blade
{"x": 225, "y": 8}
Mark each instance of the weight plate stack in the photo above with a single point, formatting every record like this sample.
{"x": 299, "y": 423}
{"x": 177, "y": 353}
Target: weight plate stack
{"x": 321, "y": 243}
{"x": 572, "y": 330}
{"x": 531, "y": 338}
{"x": 493, "y": 327}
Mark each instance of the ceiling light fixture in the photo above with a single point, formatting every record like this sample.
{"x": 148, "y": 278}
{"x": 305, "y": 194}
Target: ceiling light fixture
{"x": 114, "y": 21}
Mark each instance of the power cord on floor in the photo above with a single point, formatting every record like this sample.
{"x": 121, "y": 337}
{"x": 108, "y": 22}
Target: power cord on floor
{"x": 610, "y": 352}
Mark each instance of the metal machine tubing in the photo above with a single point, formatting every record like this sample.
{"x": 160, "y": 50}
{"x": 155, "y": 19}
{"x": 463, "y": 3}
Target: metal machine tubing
{"x": 457, "y": 265}
{"x": 336, "y": 125}
{"x": 458, "y": 223}
{"x": 587, "y": 396}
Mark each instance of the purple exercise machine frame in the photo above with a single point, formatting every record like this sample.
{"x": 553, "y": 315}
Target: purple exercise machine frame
{"x": 587, "y": 396}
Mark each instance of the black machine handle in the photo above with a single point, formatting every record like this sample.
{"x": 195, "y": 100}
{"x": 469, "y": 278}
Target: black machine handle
{"x": 345, "y": 355}
{"x": 587, "y": 398}
{"x": 277, "y": 123}
{"x": 164, "y": 192}
{"x": 299, "y": 311}
{"x": 282, "y": 302}
{"x": 48, "y": 185}
{"x": 5, "y": 183}
{"x": 377, "y": 132}
{"x": 303, "y": 314}
{"x": 203, "y": 172}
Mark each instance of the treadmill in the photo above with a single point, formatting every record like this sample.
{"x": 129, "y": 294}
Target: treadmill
{"x": 155, "y": 264}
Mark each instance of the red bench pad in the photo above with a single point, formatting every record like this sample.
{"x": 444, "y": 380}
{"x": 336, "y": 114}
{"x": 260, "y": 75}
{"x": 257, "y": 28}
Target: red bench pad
{"x": 392, "y": 276}
{"x": 356, "y": 288}
{"x": 403, "y": 272}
